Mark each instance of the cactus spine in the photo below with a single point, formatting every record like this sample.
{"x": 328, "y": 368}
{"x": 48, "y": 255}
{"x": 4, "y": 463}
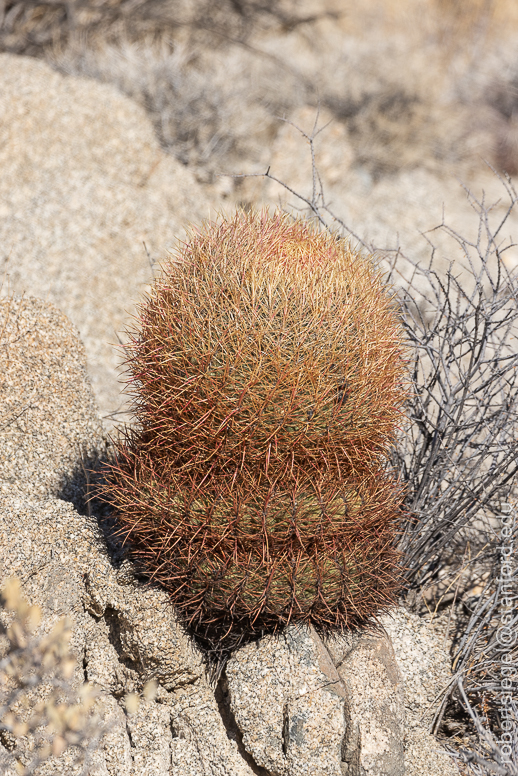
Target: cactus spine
{"x": 267, "y": 373}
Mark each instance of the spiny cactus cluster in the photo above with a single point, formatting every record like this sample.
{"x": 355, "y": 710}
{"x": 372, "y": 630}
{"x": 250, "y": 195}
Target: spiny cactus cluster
{"x": 267, "y": 376}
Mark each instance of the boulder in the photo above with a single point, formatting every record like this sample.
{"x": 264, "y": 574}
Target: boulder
{"x": 425, "y": 668}
{"x": 49, "y": 424}
{"x": 375, "y": 735}
{"x": 86, "y": 193}
{"x": 289, "y": 704}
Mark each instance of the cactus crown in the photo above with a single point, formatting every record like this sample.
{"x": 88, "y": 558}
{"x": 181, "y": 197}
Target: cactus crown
{"x": 267, "y": 340}
{"x": 267, "y": 375}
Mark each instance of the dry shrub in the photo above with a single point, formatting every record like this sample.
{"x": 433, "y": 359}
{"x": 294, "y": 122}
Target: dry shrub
{"x": 412, "y": 83}
{"x": 36, "y": 26}
{"x": 200, "y": 115}
{"x": 32, "y": 729}
{"x": 46, "y": 719}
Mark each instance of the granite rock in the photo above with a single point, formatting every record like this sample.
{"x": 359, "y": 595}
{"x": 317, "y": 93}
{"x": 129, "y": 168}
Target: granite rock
{"x": 86, "y": 192}
{"x": 49, "y": 425}
{"x": 425, "y": 667}
{"x": 289, "y": 703}
{"x": 374, "y": 742}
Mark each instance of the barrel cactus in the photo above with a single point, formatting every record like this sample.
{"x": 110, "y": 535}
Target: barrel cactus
{"x": 267, "y": 373}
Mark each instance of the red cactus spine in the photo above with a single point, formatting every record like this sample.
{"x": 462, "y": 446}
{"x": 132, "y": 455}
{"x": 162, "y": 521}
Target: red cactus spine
{"x": 268, "y": 377}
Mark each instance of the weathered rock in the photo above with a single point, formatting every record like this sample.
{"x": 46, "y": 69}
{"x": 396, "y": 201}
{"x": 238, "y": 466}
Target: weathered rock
{"x": 124, "y": 632}
{"x": 49, "y": 425}
{"x": 305, "y": 706}
{"x": 425, "y": 668}
{"x": 289, "y": 703}
{"x": 84, "y": 185}
{"x": 58, "y": 556}
{"x": 374, "y": 743}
